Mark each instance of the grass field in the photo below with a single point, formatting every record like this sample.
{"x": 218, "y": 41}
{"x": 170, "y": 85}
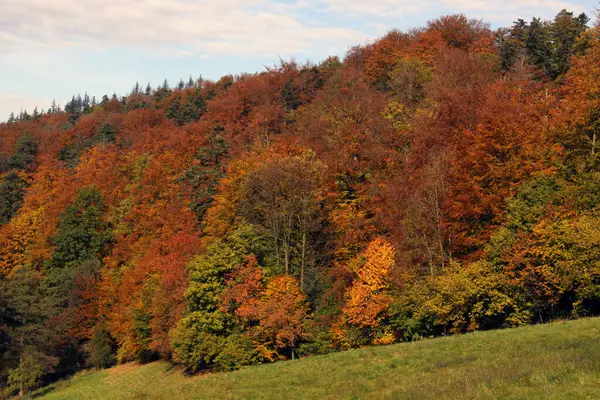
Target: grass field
{"x": 558, "y": 361}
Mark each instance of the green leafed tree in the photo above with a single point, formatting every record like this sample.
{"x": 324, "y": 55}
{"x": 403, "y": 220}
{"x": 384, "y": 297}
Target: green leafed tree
{"x": 28, "y": 356}
{"x": 199, "y": 336}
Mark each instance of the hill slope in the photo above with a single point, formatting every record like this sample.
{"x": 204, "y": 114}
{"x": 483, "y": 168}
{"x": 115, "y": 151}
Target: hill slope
{"x": 440, "y": 180}
{"x": 559, "y": 360}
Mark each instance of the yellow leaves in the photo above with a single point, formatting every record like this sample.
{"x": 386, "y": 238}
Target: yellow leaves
{"x": 399, "y": 114}
{"x": 380, "y": 261}
{"x": 562, "y": 256}
{"x": 17, "y": 237}
{"x": 387, "y": 337}
{"x": 367, "y": 298}
{"x": 266, "y": 352}
{"x": 282, "y": 285}
{"x": 466, "y": 296}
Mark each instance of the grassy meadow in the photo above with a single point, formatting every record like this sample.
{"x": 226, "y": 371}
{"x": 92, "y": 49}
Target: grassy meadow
{"x": 554, "y": 361}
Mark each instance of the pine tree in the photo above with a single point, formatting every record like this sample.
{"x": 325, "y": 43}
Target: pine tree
{"x": 81, "y": 239}
{"x": 78, "y": 104}
{"x": 12, "y": 190}
{"x": 25, "y": 150}
{"x": 86, "y": 106}
{"x": 190, "y": 84}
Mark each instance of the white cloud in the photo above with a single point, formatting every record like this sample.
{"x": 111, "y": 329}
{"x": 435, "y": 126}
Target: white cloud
{"x": 379, "y": 8}
{"x": 9, "y": 100}
{"x": 255, "y": 27}
{"x": 231, "y": 27}
{"x": 505, "y": 11}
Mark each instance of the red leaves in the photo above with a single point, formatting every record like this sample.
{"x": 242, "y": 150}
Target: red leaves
{"x": 272, "y": 312}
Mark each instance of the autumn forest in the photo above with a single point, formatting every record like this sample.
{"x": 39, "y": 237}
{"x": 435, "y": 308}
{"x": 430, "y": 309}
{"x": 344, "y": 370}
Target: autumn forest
{"x": 433, "y": 182}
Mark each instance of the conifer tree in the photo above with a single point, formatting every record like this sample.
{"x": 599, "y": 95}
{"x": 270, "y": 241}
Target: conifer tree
{"x": 12, "y": 190}
{"x": 81, "y": 239}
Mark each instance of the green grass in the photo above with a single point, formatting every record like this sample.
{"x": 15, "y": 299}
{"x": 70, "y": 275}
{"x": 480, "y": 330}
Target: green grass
{"x": 558, "y": 361}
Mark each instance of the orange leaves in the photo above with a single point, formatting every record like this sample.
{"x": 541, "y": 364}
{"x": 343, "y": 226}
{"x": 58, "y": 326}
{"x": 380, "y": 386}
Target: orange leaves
{"x": 272, "y": 312}
{"x": 380, "y": 261}
{"x": 367, "y": 297}
{"x": 460, "y": 32}
{"x": 282, "y": 311}
{"x": 505, "y": 148}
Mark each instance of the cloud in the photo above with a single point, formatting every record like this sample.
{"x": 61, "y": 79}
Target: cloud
{"x": 251, "y": 27}
{"x": 8, "y": 101}
{"x": 230, "y": 27}
{"x": 505, "y": 11}
{"x": 382, "y": 8}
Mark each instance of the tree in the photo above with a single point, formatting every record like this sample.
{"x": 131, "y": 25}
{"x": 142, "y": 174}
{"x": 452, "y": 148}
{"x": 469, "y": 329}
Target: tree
{"x": 565, "y": 30}
{"x": 17, "y": 239}
{"x": 198, "y": 336}
{"x": 25, "y": 150}
{"x": 367, "y": 298}
{"x": 82, "y": 236}
{"x": 72, "y": 272}
{"x": 30, "y": 354}
{"x": 282, "y": 197}
{"x": 101, "y": 347}
{"x": 473, "y": 297}
{"x": 272, "y": 312}
{"x": 281, "y": 314}
{"x": 12, "y": 190}
{"x": 203, "y": 176}
{"x": 190, "y": 83}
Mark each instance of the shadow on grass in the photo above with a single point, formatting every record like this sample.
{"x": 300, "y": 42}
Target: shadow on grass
{"x": 43, "y": 391}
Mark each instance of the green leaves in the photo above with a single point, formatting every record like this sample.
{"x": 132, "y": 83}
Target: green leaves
{"x": 82, "y": 234}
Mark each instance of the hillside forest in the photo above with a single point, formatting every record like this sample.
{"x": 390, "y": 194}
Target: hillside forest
{"x": 436, "y": 181}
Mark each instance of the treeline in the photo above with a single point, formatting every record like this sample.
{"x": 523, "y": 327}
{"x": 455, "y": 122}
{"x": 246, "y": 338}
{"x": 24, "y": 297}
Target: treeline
{"x": 436, "y": 181}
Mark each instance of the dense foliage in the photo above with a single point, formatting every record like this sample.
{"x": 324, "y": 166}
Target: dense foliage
{"x": 433, "y": 182}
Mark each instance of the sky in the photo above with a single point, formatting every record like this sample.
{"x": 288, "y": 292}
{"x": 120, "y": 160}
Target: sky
{"x": 54, "y": 49}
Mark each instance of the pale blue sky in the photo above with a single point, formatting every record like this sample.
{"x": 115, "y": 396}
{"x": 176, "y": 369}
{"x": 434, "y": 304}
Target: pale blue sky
{"x": 54, "y": 49}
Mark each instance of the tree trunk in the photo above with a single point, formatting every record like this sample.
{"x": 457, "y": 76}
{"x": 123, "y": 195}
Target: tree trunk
{"x": 302, "y": 263}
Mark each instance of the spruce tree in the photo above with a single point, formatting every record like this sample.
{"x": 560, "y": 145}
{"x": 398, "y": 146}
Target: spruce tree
{"x": 25, "y": 150}
{"x": 12, "y": 190}
{"x": 81, "y": 240}
{"x": 190, "y": 83}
